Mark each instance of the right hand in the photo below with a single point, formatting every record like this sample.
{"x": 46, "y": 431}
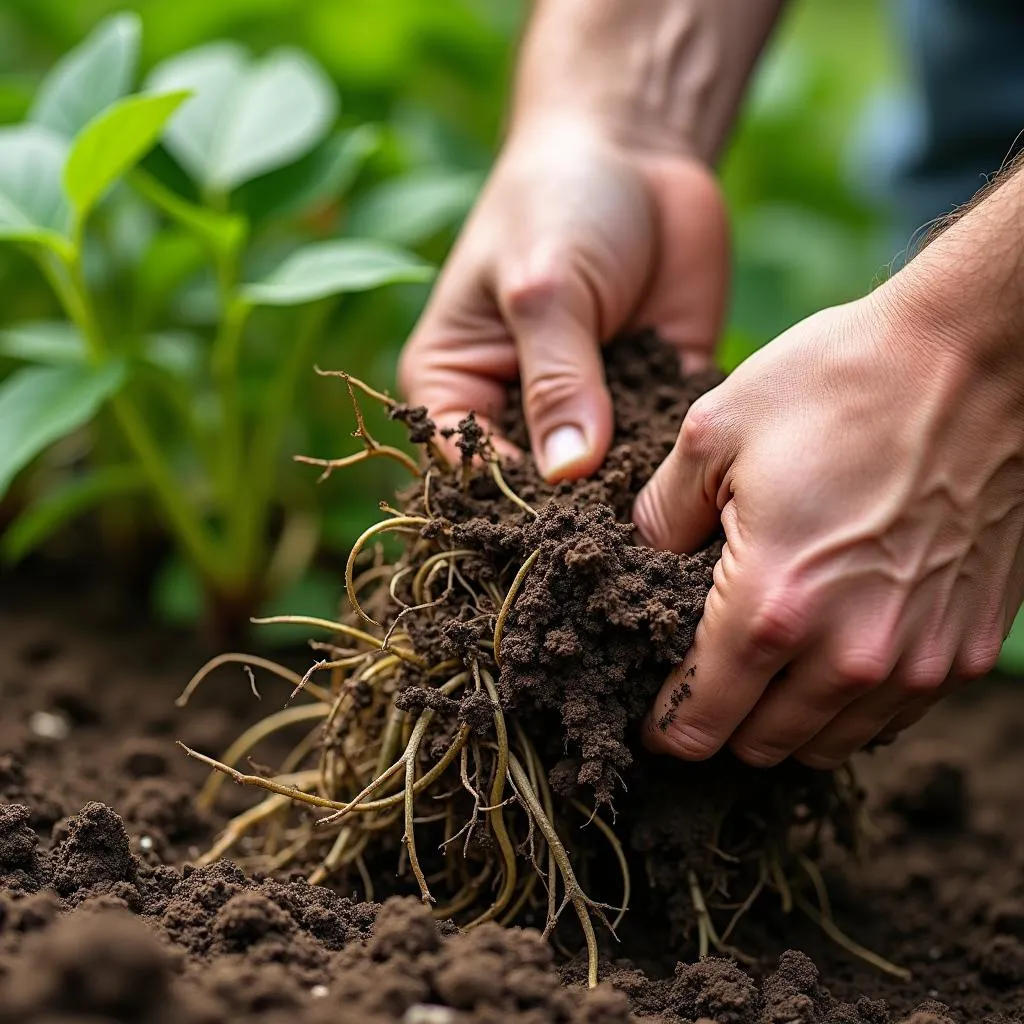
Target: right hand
{"x": 574, "y": 239}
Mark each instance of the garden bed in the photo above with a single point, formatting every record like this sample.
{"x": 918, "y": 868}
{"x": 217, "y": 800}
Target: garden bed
{"x": 566, "y": 628}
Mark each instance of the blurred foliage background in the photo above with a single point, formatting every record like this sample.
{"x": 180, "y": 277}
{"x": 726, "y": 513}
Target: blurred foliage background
{"x": 433, "y": 75}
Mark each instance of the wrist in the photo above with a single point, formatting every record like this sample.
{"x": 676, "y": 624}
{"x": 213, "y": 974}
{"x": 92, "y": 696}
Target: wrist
{"x": 658, "y": 75}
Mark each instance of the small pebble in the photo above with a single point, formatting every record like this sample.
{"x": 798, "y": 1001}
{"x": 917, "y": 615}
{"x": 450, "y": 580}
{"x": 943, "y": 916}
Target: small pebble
{"x": 421, "y": 1013}
{"x": 319, "y": 991}
{"x": 49, "y": 726}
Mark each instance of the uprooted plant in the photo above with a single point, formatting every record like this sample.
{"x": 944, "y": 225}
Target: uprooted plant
{"x": 480, "y": 691}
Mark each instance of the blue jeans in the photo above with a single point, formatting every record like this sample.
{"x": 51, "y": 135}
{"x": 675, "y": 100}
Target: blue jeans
{"x": 967, "y": 60}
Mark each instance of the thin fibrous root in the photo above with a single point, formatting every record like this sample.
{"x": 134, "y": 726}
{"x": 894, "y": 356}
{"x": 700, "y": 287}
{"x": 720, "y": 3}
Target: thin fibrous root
{"x": 380, "y": 451}
{"x": 506, "y": 606}
{"x": 272, "y": 785}
{"x": 401, "y": 524}
{"x": 606, "y": 830}
{"x": 503, "y": 486}
{"x": 496, "y": 816}
{"x": 338, "y": 627}
{"x": 240, "y": 825}
{"x": 253, "y": 735}
{"x": 235, "y": 658}
{"x": 573, "y": 892}
{"x": 707, "y": 934}
{"x": 823, "y": 918}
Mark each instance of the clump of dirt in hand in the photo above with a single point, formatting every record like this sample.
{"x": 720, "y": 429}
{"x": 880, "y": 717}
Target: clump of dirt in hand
{"x": 506, "y": 660}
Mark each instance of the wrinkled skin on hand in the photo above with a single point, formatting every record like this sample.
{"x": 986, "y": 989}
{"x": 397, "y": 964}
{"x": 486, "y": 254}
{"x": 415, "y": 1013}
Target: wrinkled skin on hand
{"x": 870, "y": 483}
{"x": 573, "y": 239}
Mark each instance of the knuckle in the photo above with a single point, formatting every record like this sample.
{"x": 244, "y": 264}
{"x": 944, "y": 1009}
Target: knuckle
{"x": 979, "y": 658}
{"x": 819, "y": 760}
{"x": 925, "y": 674}
{"x": 547, "y": 392}
{"x": 699, "y": 425}
{"x": 860, "y": 669}
{"x": 759, "y": 755}
{"x": 530, "y": 292}
{"x": 780, "y": 623}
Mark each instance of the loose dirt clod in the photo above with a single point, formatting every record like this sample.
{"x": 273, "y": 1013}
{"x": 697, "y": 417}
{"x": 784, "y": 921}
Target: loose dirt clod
{"x": 484, "y": 693}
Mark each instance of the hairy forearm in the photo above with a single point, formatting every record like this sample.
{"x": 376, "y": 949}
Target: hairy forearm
{"x": 667, "y": 74}
{"x": 968, "y": 282}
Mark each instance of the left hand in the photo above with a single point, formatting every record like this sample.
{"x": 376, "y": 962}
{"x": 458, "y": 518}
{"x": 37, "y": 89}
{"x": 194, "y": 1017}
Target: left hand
{"x": 868, "y": 469}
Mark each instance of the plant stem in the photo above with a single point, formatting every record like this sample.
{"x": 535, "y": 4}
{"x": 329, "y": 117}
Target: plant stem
{"x": 69, "y": 284}
{"x": 252, "y": 507}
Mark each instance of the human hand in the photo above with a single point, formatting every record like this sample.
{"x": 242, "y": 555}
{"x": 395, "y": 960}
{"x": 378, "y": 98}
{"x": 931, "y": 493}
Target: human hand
{"x": 574, "y": 238}
{"x": 868, "y": 468}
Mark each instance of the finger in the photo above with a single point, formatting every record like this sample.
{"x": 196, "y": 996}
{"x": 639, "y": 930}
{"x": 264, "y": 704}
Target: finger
{"x": 744, "y": 639}
{"x": 856, "y": 726}
{"x": 686, "y": 299}
{"x": 460, "y": 358}
{"x": 552, "y": 315}
{"x": 805, "y": 704}
{"x": 920, "y": 675}
{"x": 853, "y": 659}
{"x": 677, "y": 510}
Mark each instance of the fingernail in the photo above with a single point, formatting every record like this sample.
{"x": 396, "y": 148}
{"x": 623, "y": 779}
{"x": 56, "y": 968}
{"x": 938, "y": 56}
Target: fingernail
{"x": 563, "y": 447}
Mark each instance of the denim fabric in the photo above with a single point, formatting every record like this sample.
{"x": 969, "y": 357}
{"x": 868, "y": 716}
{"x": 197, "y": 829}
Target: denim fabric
{"x": 967, "y": 63}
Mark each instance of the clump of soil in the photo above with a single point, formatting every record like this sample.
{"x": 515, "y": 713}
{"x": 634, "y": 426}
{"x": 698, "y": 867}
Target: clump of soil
{"x": 487, "y": 688}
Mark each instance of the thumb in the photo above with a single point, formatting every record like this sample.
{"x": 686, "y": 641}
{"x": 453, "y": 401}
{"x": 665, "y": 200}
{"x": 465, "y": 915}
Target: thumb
{"x": 678, "y": 508}
{"x": 568, "y": 409}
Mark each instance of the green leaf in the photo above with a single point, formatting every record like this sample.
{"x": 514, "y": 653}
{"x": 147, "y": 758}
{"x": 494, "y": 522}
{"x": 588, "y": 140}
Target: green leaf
{"x": 112, "y": 143}
{"x": 223, "y": 232}
{"x": 40, "y": 404}
{"x": 33, "y": 207}
{"x": 90, "y": 77}
{"x": 245, "y": 118}
{"x": 44, "y": 517}
{"x": 1011, "y": 658}
{"x": 321, "y": 177}
{"x": 331, "y": 268}
{"x": 52, "y": 342}
{"x": 411, "y": 209}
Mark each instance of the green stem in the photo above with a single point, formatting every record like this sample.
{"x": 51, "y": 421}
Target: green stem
{"x": 69, "y": 284}
{"x": 224, "y": 362}
{"x": 253, "y": 506}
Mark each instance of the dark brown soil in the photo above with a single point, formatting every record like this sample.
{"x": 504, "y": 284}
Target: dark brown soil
{"x": 103, "y": 919}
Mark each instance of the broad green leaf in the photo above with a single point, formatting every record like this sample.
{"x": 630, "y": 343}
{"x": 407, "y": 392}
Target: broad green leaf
{"x": 52, "y": 342}
{"x": 246, "y": 117}
{"x": 112, "y": 143}
{"x": 321, "y": 177}
{"x": 40, "y": 404}
{"x": 411, "y": 209}
{"x": 44, "y": 517}
{"x": 33, "y": 207}
{"x": 224, "y": 232}
{"x": 90, "y": 77}
{"x": 331, "y": 268}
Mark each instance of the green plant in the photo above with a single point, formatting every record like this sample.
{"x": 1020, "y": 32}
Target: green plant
{"x": 183, "y": 231}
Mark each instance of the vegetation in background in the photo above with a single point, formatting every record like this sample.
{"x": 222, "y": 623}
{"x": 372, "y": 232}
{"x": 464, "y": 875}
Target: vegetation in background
{"x": 159, "y": 284}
